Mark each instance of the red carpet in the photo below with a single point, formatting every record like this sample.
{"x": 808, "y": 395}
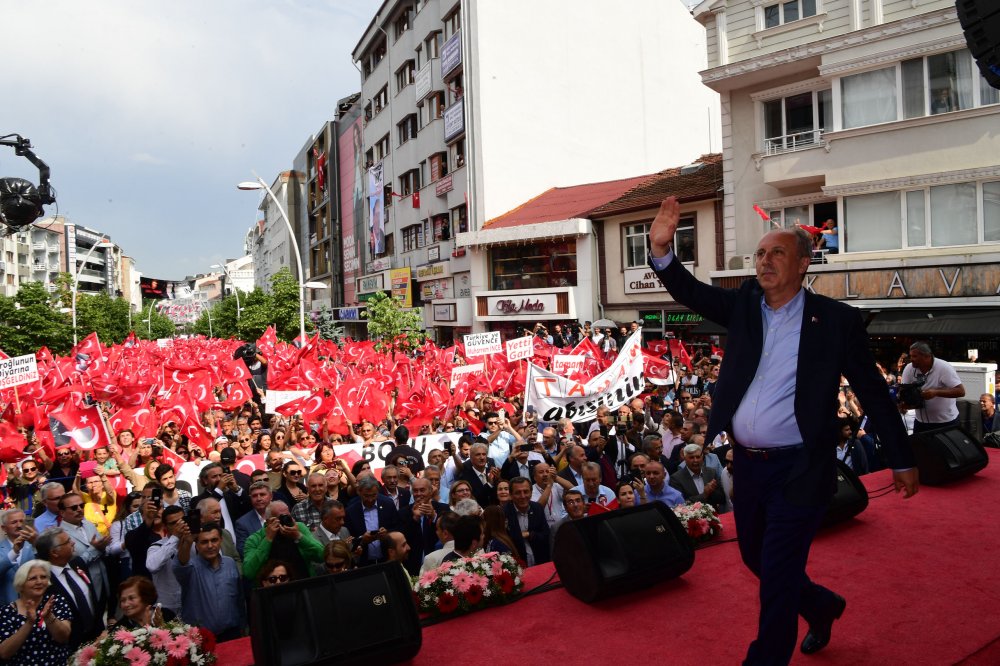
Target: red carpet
{"x": 919, "y": 577}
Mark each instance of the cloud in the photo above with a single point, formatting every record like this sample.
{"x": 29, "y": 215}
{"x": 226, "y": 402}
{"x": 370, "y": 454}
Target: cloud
{"x": 146, "y": 158}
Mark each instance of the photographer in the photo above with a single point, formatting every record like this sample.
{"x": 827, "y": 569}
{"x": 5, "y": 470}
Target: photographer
{"x": 281, "y": 538}
{"x": 931, "y": 387}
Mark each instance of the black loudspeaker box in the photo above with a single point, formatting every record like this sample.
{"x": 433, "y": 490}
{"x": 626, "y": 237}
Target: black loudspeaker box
{"x": 363, "y": 616}
{"x": 947, "y": 454}
{"x": 981, "y": 23}
{"x": 850, "y": 499}
{"x": 621, "y": 551}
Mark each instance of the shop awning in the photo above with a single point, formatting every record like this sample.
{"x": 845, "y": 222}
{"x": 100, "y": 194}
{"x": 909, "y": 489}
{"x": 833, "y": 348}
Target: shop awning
{"x": 935, "y": 322}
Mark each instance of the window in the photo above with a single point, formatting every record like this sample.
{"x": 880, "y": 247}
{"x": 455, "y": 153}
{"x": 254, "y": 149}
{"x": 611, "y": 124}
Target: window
{"x": 410, "y": 235}
{"x": 382, "y": 148}
{"x": 426, "y": 235}
{"x": 938, "y": 216}
{"x": 409, "y": 182}
{"x": 381, "y": 99}
{"x": 407, "y": 129}
{"x": 442, "y": 227}
{"x": 927, "y": 86}
{"x": 636, "y": 247}
{"x": 458, "y": 150}
{"x": 404, "y": 75}
{"x": 403, "y": 23}
{"x": 439, "y": 165}
{"x": 432, "y": 45}
{"x": 535, "y": 265}
{"x": 786, "y": 12}
{"x": 459, "y": 219}
{"x": 431, "y": 108}
{"x": 453, "y": 23}
{"x": 798, "y": 121}
{"x": 455, "y": 89}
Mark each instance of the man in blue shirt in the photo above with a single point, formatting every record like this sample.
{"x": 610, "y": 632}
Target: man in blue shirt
{"x": 784, "y": 431}
{"x": 657, "y": 488}
{"x": 212, "y": 594}
{"x": 52, "y": 493}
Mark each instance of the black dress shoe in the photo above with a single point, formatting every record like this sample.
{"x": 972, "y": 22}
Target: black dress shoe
{"x": 819, "y": 634}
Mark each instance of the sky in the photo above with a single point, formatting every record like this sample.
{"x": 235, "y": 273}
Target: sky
{"x": 149, "y": 113}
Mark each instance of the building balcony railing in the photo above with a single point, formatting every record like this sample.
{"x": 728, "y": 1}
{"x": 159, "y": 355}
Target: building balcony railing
{"x": 38, "y": 267}
{"x": 791, "y": 142}
{"x": 38, "y": 246}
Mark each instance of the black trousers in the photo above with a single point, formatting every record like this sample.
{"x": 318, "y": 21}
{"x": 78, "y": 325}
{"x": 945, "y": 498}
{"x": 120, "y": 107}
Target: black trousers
{"x": 774, "y": 537}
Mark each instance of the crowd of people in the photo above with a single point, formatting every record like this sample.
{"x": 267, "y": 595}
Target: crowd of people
{"x": 122, "y": 536}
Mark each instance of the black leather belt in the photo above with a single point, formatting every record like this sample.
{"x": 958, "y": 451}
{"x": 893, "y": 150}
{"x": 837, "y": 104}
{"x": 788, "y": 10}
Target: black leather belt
{"x": 769, "y": 453}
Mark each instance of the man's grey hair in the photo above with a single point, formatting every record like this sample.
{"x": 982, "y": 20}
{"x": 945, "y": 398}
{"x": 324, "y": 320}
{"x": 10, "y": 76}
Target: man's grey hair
{"x": 260, "y": 484}
{"x": 46, "y": 541}
{"x": 648, "y": 440}
{"x": 328, "y": 506}
{"x": 922, "y": 347}
{"x": 49, "y": 487}
{"x": 4, "y": 515}
{"x": 269, "y": 511}
{"x": 467, "y": 507}
{"x": 318, "y": 475}
{"x": 477, "y": 446}
{"x": 691, "y": 448}
{"x": 804, "y": 242}
{"x": 590, "y": 467}
{"x": 366, "y": 482}
{"x": 429, "y": 468}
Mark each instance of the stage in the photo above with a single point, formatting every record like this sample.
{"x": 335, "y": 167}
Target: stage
{"x": 918, "y": 576}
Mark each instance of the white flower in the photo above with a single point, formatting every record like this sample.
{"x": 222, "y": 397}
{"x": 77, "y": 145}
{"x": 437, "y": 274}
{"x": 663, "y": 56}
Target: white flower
{"x": 113, "y": 649}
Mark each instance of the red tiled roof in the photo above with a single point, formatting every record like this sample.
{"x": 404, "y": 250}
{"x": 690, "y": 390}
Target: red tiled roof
{"x": 703, "y": 183}
{"x": 565, "y": 203}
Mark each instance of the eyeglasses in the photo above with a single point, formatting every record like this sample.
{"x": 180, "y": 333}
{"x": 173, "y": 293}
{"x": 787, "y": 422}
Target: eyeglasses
{"x": 336, "y": 439}
{"x": 29, "y": 469}
{"x": 283, "y": 578}
{"x": 295, "y": 472}
{"x": 492, "y": 423}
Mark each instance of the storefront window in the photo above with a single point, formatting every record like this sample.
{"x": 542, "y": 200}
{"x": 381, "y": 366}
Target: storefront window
{"x": 534, "y": 266}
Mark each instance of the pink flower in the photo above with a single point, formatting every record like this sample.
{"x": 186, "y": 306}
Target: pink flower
{"x": 87, "y": 654}
{"x": 481, "y": 581}
{"x": 178, "y": 649}
{"x": 124, "y": 636}
{"x": 137, "y": 657}
{"x": 194, "y": 635}
{"x": 497, "y": 568}
{"x": 463, "y": 581}
{"x": 428, "y": 578}
{"x": 160, "y": 639}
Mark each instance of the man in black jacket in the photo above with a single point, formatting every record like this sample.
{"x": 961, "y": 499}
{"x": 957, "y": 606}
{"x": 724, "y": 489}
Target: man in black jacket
{"x": 526, "y": 523}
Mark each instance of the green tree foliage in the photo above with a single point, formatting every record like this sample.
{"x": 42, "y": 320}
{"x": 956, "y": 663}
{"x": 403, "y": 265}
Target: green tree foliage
{"x": 158, "y": 326}
{"x": 391, "y": 325}
{"x": 285, "y": 305}
{"x": 31, "y": 319}
{"x": 107, "y": 316}
{"x": 326, "y": 324}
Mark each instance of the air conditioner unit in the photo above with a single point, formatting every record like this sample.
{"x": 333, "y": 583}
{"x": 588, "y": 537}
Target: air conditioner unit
{"x": 741, "y": 262}
{"x": 748, "y": 262}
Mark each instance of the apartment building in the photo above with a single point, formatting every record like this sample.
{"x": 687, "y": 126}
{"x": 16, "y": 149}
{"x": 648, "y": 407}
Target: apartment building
{"x": 872, "y": 114}
{"x": 470, "y": 108}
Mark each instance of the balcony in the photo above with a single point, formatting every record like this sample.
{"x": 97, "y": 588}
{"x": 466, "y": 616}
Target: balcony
{"x": 38, "y": 246}
{"x": 792, "y": 142}
{"x": 3, "y": 266}
{"x": 50, "y": 288}
{"x": 53, "y": 249}
{"x": 38, "y": 267}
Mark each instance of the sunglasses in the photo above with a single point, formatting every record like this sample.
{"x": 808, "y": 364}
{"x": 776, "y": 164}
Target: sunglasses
{"x": 283, "y": 578}
{"x": 335, "y": 566}
{"x": 75, "y": 507}
{"x": 295, "y": 472}
{"x": 336, "y": 439}
{"x": 492, "y": 423}
{"x": 29, "y": 469}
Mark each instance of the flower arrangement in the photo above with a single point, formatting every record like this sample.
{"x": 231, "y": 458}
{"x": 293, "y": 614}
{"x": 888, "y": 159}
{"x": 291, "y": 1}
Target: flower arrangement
{"x": 699, "y": 520}
{"x": 173, "y": 644}
{"x": 468, "y": 584}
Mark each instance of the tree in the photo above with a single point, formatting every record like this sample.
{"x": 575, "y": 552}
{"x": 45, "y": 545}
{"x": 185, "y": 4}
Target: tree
{"x": 285, "y": 305}
{"x": 158, "y": 326}
{"x": 104, "y": 315}
{"x": 326, "y": 324}
{"x": 391, "y": 325}
{"x": 32, "y": 319}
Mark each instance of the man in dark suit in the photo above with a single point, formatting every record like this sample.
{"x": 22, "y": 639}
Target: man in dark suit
{"x": 223, "y": 487}
{"x": 418, "y": 523}
{"x": 526, "y": 523}
{"x": 253, "y": 520}
{"x": 69, "y": 578}
{"x": 777, "y": 397}
{"x": 369, "y": 519}
{"x": 518, "y": 465}
{"x": 696, "y": 482}
{"x": 481, "y": 474}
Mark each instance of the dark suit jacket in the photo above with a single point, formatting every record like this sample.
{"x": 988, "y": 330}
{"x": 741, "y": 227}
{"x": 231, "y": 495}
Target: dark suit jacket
{"x": 404, "y": 497}
{"x": 81, "y": 632}
{"x": 511, "y": 469}
{"x": 422, "y": 538}
{"x": 484, "y": 494}
{"x": 833, "y": 341}
{"x": 567, "y": 473}
{"x": 354, "y": 520}
{"x": 538, "y": 532}
{"x": 682, "y": 481}
{"x": 237, "y": 504}
{"x": 244, "y": 527}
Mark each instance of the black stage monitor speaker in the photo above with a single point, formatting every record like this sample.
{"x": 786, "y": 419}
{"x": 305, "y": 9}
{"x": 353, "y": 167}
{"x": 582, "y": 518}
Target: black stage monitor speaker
{"x": 364, "y": 616}
{"x": 850, "y": 499}
{"x": 981, "y": 22}
{"x": 621, "y": 551}
{"x": 947, "y": 454}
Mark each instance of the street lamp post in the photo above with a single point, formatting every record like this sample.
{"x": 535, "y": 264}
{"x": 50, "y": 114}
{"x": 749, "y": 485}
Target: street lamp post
{"x": 76, "y": 277}
{"x": 236, "y": 289}
{"x": 208, "y": 311}
{"x": 149, "y": 320}
{"x": 259, "y": 184}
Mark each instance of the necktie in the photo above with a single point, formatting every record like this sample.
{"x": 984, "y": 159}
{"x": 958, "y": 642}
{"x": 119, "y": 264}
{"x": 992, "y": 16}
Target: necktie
{"x": 82, "y": 603}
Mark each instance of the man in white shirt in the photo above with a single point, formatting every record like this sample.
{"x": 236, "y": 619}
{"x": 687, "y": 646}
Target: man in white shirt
{"x": 548, "y": 492}
{"x": 445, "y": 524}
{"x": 940, "y": 387}
{"x": 160, "y": 560}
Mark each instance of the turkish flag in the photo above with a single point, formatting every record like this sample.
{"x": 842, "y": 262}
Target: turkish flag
{"x": 79, "y": 427}
{"x": 172, "y": 458}
{"x": 416, "y": 199}
{"x": 657, "y": 370}
{"x": 678, "y": 351}
{"x": 657, "y": 347}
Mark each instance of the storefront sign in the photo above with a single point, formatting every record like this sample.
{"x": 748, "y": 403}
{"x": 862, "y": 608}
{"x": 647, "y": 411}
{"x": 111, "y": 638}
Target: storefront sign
{"x": 464, "y": 288}
{"x": 481, "y": 344}
{"x": 433, "y": 290}
{"x": 444, "y": 186}
{"x": 522, "y": 306}
{"x": 451, "y": 54}
{"x": 348, "y": 314}
{"x": 642, "y": 281}
{"x": 445, "y": 312}
{"x": 432, "y": 271}
{"x": 400, "y": 280}
{"x": 370, "y": 283}
{"x": 689, "y": 318}
{"x": 422, "y": 83}
{"x": 433, "y": 253}
{"x": 380, "y": 264}
{"x": 454, "y": 120}
{"x": 964, "y": 281}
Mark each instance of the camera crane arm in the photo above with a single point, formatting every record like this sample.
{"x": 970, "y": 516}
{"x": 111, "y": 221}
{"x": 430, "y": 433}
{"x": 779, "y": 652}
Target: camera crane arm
{"x": 22, "y": 148}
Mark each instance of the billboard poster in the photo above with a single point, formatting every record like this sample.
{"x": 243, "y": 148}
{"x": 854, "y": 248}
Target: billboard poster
{"x": 376, "y": 210}
{"x": 350, "y": 165}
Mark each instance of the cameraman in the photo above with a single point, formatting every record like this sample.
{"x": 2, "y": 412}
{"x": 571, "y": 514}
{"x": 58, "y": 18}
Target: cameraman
{"x": 930, "y": 386}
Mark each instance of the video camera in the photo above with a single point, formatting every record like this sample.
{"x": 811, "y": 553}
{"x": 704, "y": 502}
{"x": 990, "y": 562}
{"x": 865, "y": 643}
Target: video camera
{"x": 911, "y": 394}
{"x": 247, "y": 353}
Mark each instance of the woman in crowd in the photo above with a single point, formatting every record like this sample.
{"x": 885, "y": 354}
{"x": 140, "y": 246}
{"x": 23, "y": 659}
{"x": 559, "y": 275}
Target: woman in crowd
{"x": 274, "y": 572}
{"x": 263, "y": 443}
{"x": 278, "y": 438}
{"x": 459, "y": 491}
{"x": 360, "y": 466}
{"x": 126, "y": 441}
{"x": 340, "y": 483}
{"x": 503, "y": 493}
{"x": 495, "y": 535}
{"x": 626, "y": 495}
{"x": 137, "y": 601}
{"x": 116, "y": 551}
{"x": 36, "y": 627}
{"x": 324, "y": 459}
{"x": 337, "y": 557}
{"x": 143, "y": 453}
